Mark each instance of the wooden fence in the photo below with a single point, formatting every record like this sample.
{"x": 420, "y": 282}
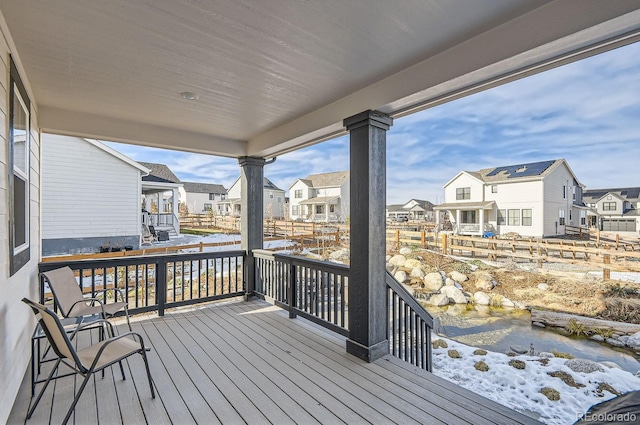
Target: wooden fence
{"x": 607, "y": 256}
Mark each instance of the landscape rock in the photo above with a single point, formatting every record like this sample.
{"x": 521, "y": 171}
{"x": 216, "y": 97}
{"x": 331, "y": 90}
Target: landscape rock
{"x": 405, "y": 251}
{"x": 484, "y": 284}
{"x": 480, "y": 352}
{"x": 518, "y": 364}
{"x": 543, "y": 287}
{"x": 597, "y": 337}
{"x": 615, "y": 342}
{"x": 539, "y": 325}
{"x": 455, "y": 294}
{"x": 340, "y": 255}
{"x": 418, "y": 272}
{"x": 610, "y": 365}
{"x": 398, "y": 260}
{"x": 454, "y": 354}
{"x": 439, "y": 300}
{"x": 583, "y": 366}
{"x": 634, "y": 341}
{"x": 458, "y": 277}
{"x": 520, "y": 305}
{"x": 481, "y": 366}
{"x": 506, "y": 302}
{"x": 550, "y": 393}
{"x": 545, "y": 355}
{"x": 566, "y": 378}
{"x": 387, "y": 258}
{"x": 624, "y": 339}
{"x": 433, "y": 281}
{"x": 390, "y": 267}
{"x": 481, "y": 298}
{"x": 439, "y": 343}
{"x": 449, "y": 282}
{"x": 520, "y": 349}
{"x": 401, "y": 276}
{"x": 412, "y": 263}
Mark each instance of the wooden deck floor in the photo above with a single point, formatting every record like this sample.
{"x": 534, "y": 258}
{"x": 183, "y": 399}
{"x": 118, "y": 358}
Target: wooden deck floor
{"x": 247, "y": 362}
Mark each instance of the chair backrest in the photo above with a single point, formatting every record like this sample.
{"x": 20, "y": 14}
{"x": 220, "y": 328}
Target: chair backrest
{"x": 65, "y": 288}
{"x": 54, "y": 331}
{"x": 152, "y": 229}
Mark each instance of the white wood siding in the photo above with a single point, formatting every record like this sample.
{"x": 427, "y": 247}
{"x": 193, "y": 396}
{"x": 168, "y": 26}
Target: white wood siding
{"x": 293, "y": 201}
{"x": 519, "y": 196}
{"x": 235, "y": 191}
{"x": 554, "y": 201}
{"x": 87, "y": 192}
{"x": 15, "y": 350}
{"x": 272, "y": 207}
{"x": 345, "y": 200}
{"x": 195, "y": 202}
{"x": 464, "y": 180}
{"x": 610, "y": 198}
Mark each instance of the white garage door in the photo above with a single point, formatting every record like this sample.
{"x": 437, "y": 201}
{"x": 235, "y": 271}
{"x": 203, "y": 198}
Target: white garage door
{"x": 619, "y": 225}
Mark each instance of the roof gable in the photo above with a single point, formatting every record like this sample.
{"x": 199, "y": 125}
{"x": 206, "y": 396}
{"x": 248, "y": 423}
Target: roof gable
{"x": 195, "y": 187}
{"x": 159, "y": 173}
{"x": 336, "y": 178}
{"x": 626, "y": 193}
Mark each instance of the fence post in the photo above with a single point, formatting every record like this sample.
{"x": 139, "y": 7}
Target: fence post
{"x": 444, "y": 244}
{"x": 423, "y": 238}
{"x": 606, "y": 259}
{"x": 617, "y": 241}
{"x": 398, "y": 238}
{"x": 161, "y": 284}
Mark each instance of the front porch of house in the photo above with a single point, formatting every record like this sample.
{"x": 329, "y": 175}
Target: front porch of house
{"x": 323, "y": 209}
{"x": 247, "y": 362}
{"x": 469, "y": 218}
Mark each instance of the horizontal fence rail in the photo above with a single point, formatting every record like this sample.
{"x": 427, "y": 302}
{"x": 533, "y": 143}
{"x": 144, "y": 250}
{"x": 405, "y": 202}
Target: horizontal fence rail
{"x": 315, "y": 290}
{"x": 410, "y": 326}
{"x": 154, "y": 283}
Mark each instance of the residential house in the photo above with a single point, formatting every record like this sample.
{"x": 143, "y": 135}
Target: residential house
{"x": 273, "y": 200}
{"x": 537, "y": 199}
{"x": 414, "y": 209}
{"x": 161, "y": 195}
{"x": 320, "y": 197}
{"x": 202, "y": 198}
{"x": 614, "y": 210}
{"x": 101, "y": 80}
{"x": 91, "y": 204}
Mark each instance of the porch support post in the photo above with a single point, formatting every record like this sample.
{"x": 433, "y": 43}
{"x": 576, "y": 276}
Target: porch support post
{"x": 367, "y": 294}
{"x": 251, "y": 212}
{"x": 458, "y": 222}
{"x": 481, "y": 221}
{"x": 175, "y": 210}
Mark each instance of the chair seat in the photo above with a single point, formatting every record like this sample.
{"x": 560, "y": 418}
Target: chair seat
{"x": 110, "y": 309}
{"x": 115, "y": 351}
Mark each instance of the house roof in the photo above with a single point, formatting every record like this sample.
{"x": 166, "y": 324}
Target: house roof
{"x": 320, "y": 200}
{"x": 486, "y": 205}
{"x": 518, "y": 171}
{"x": 159, "y": 173}
{"x": 395, "y": 207}
{"x": 195, "y": 187}
{"x": 425, "y": 205}
{"x": 332, "y": 179}
{"x": 631, "y": 194}
{"x": 268, "y": 184}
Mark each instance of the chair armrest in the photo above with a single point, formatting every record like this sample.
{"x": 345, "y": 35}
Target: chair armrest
{"x": 117, "y": 291}
{"x": 86, "y": 300}
{"x": 136, "y": 336}
{"x": 82, "y": 326}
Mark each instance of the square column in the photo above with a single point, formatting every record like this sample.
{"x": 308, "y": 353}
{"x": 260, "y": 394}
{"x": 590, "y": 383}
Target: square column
{"x": 251, "y": 212}
{"x": 367, "y": 295}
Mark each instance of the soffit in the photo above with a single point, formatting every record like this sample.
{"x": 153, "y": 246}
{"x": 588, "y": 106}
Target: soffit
{"x": 274, "y": 75}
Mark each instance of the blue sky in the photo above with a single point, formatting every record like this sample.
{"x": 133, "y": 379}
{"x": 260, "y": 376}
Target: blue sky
{"x": 587, "y": 112}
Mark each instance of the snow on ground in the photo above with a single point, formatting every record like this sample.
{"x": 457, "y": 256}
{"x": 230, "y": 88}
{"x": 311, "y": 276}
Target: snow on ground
{"x": 217, "y": 238}
{"x": 624, "y": 276}
{"x": 520, "y": 389}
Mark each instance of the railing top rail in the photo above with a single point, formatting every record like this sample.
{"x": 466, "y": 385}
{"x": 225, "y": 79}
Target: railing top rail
{"x": 409, "y": 300}
{"x": 133, "y": 260}
{"x": 300, "y": 261}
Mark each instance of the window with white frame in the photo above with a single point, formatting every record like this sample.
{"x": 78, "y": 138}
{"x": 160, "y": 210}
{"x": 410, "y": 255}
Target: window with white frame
{"x": 298, "y": 193}
{"x": 561, "y": 219}
{"x": 207, "y": 207}
{"x": 564, "y": 192}
{"x": 494, "y": 188}
{"x": 295, "y": 209}
{"x": 463, "y": 193}
{"x": 319, "y": 209}
{"x": 279, "y": 199}
{"x": 502, "y": 214}
{"x": 513, "y": 217}
{"x": 270, "y": 195}
{"x": 609, "y": 206}
{"x": 212, "y": 196}
{"x": 18, "y": 168}
{"x": 527, "y": 217}
{"x": 583, "y": 218}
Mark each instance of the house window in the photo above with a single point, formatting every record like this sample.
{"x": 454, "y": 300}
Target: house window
{"x": 494, "y": 188}
{"x": 609, "y": 206}
{"x": 570, "y": 215}
{"x": 279, "y": 199}
{"x": 573, "y": 188}
{"x": 502, "y": 217}
{"x": 513, "y": 217}
{"x": 207, "y": 207}
{"x": 319, "y": 209}
{"x": 526, "y": 217}
{"x": 295, "y": 209}
{"x": 561, "y": 217}
{"x": 564, "y": 192}
{"x": 583, "y": 218}
{"x": 270, "y": 195}
{"x": 463, "y": 193}
{"x": 18, "y": 176}
{"x": 298, "y": 193}
{"x": 332, "y": 208}
{"x": 223, "y": 196}
{"x": 212, "y": 196}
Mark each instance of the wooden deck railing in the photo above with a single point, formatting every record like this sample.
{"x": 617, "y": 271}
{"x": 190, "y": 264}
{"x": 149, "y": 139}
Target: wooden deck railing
{"x": 154, "y": 283}
{"x": 317, "y": 290}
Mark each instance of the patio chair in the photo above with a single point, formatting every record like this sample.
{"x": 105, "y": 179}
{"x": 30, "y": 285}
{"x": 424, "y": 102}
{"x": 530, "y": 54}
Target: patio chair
{"x": 89, "y": 360}
{"x": 148, "y": 236}
{"x": 72, "y": 303}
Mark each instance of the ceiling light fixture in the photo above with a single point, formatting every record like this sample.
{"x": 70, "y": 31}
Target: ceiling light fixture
{"x": 189, "y": 95}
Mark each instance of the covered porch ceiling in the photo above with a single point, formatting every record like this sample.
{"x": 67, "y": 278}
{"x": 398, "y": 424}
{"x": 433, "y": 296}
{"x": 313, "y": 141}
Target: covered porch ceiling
{"x": 275, "y": 75}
